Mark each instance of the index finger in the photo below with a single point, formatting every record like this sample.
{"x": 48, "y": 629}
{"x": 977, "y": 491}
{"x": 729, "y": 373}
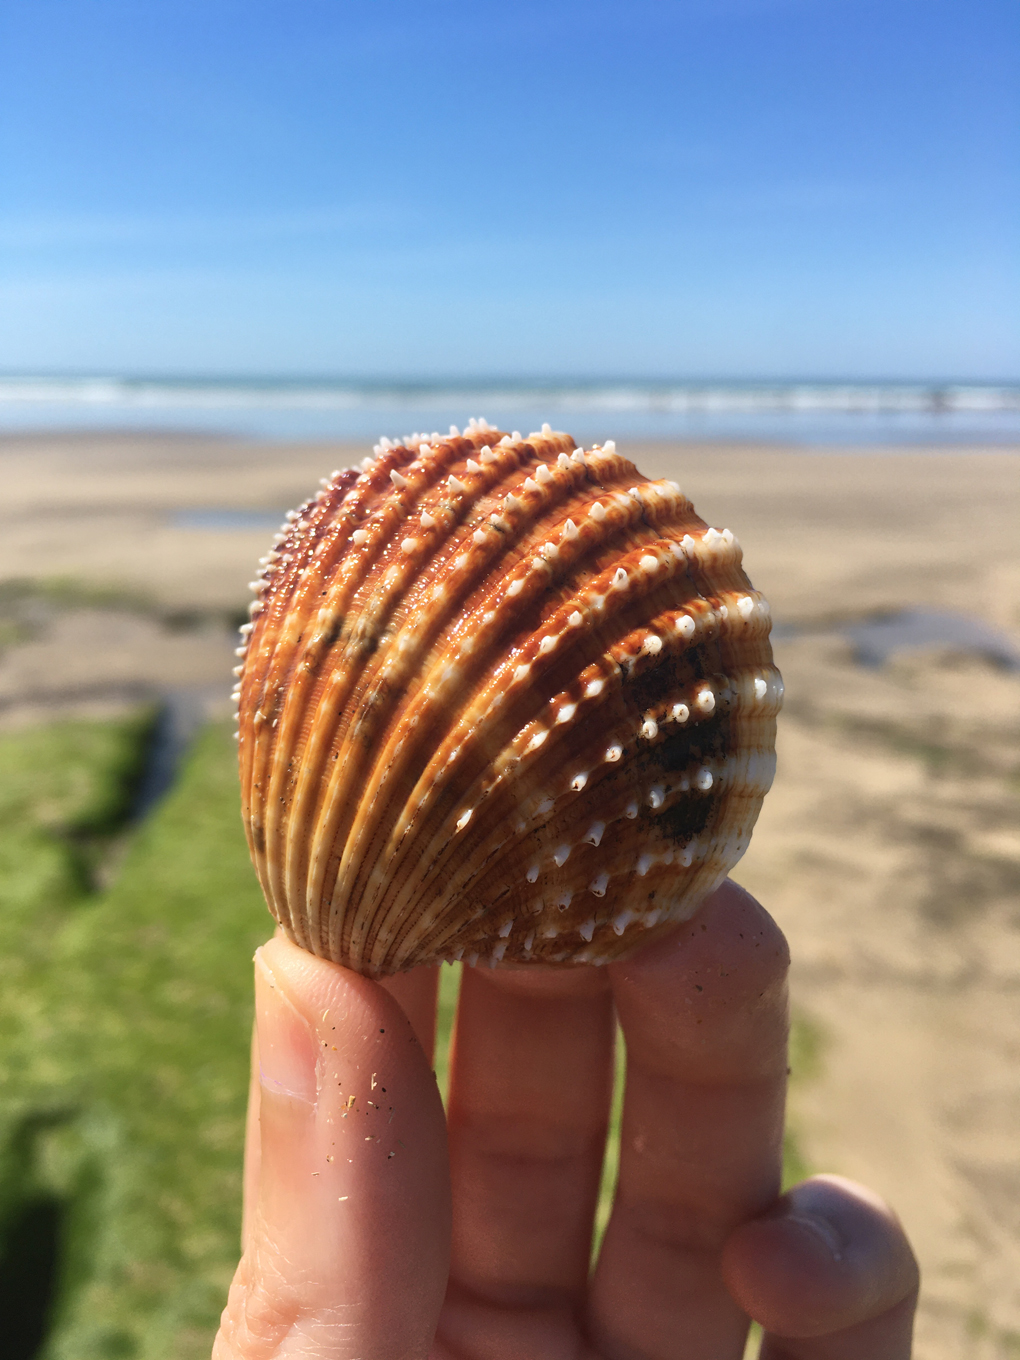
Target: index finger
{"x": 704, "y": 1014}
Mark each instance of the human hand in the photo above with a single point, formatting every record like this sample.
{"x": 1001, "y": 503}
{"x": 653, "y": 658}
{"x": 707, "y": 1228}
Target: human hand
{"x": 376, "y": 1229}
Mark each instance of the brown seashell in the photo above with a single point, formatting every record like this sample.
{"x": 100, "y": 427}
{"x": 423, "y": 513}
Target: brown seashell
{"x": 500, "y": 699}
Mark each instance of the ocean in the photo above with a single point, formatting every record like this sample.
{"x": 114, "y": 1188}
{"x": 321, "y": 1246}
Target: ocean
{"x": 836, "y": 414}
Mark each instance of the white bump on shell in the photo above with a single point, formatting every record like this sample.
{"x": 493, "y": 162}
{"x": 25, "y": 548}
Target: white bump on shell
{"x": 472, "y": 466}
{"x": 460, "y": 562}
{"x": 595, "y": 832}
{"x": 561, "y": 855}
{"x": 656, "y": 796}
{"x": 588, "y": 929}
{"x": 564, "y": 899}
{"x": 613, "y": 753}
{"x": 566, "y": 713}
{"x": 680, "y": 713}
{"x": 537, "y": 740}
{"x": 237, "y": 670}
{"x": 593, "y": 688}
{"x": 546, "y": 427}
{"x": 515, "y": 587}
{"x": 487, "y": 455}
{"x": 506, "y": 441}
{"x": 649, "y": 563}
{"x": 454, "y": 432}
{"x": 246, "y": 628}
{"x": 704, "y": 701}
{"x": 367, "y": 464}
{"x": 644, "y": 863}
{"x": 685, "y": 626}
{"x": 478, "y": 536}
{"x": 652, "y": 644}
{"x": 578, "y": 782}
{"x": 398, "y": 481}
{"x": 597, "y": 512}
{"x": 600, "y": 885}
{"x": 745, "y": 606}
{"x": 511, "y": 502}
{"x": 427, "y": 521}
{"x": 703, "y": 779}
{"x": 516, "y": 436}
{"x": 685, "y": 859}
{"x": 455, "y": 485}
{"x": 609, "y": 446}
{"x": 505, "y": 929}
{"x": 620, "y": 580}
{"x": 409, "y": 545}
{"x": 578, "y": 456}
{"x": 530, "y": 484}
{"x": 570, "y": 530}
{"x": 649, "y": 729}
{"x": 463, "y": 820}
{"x": 687, "y": 543}
{"x": 359, "y": 536}
{"x": 547, "y": 645}
{"x": 532, "y": 873}
{"x": 631, "y": 811}
{"x": 424, "y": 450}
{"x": 760, "y": 688}
{"x": 563, "y": 461}
{"x": 542, "y": 474}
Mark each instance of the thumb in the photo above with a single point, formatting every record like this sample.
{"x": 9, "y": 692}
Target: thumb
{"x": 347, "y": 1248}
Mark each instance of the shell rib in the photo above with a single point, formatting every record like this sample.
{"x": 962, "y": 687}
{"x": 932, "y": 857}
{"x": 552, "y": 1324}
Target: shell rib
{"x": 500, "y": 699}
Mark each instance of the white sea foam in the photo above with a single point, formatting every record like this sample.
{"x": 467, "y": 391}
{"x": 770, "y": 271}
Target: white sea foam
{"x": 802, "y": 412}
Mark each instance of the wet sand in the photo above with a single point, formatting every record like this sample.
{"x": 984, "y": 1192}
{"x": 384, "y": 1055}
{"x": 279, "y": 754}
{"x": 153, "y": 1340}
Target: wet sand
{"x": 888, "y": 849}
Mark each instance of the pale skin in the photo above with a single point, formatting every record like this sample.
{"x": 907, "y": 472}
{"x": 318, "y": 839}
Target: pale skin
{"x": 377, "y": 1228}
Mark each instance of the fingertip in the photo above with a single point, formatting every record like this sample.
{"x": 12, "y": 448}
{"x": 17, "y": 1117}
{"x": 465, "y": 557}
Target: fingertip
{"x": 730, "y": 927}
{"x": 715, "y": 985}
{"x": 828, "y": 1256}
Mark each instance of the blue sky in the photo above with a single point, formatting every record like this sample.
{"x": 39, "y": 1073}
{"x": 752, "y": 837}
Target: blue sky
{"x": 724, "y": 188}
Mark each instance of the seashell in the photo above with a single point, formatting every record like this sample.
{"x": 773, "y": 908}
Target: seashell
{"x": 501, "y": 699}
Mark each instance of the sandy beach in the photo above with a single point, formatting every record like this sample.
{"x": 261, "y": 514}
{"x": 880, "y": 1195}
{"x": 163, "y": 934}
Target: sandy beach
{"x": 888, "y": 849}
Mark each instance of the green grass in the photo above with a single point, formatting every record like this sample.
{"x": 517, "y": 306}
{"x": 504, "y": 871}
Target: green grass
{"x": 807, "y": 1048}
{"x": 124, "y": 1026}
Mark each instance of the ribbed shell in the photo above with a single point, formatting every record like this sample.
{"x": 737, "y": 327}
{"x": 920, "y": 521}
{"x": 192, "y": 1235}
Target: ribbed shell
{"x": 501, "y": 699}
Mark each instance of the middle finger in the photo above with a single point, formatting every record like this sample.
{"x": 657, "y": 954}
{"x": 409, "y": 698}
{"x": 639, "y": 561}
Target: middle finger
{"x": 531, "y": 1078}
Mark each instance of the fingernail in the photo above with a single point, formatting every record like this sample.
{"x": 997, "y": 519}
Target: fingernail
{"x": 821, "y": 1228}
{"x": 288, "y": 1050}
